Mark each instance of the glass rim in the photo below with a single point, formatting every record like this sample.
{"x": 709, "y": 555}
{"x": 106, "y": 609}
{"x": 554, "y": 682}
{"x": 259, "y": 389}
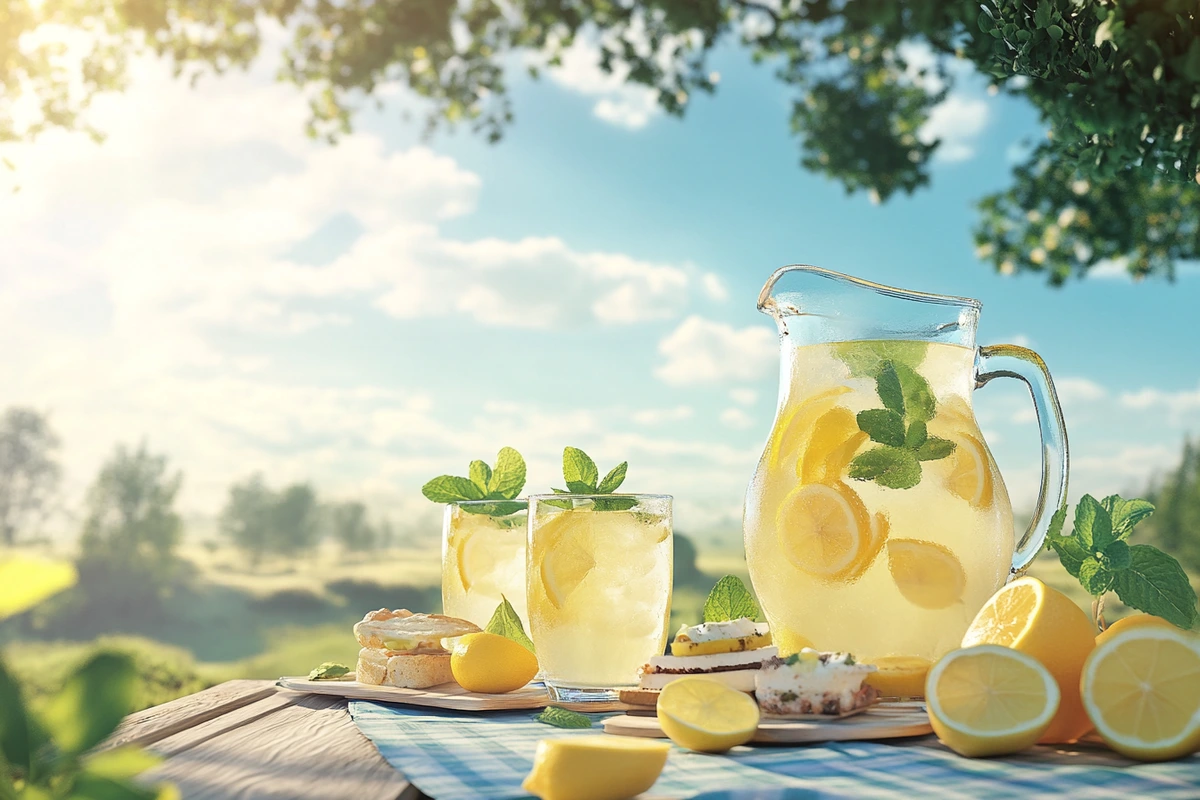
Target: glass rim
{"x": 484, "y": 502}
{"x": 879, "y": 288}
{"x": 573, "y": 496}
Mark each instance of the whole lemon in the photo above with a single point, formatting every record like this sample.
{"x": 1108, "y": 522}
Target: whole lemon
{"x": 491, "y": 664}
{"x": 1132, "y": 621}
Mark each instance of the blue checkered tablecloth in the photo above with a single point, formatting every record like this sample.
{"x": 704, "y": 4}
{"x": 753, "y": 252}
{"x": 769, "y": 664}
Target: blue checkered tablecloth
{"x": 452, "y": 756}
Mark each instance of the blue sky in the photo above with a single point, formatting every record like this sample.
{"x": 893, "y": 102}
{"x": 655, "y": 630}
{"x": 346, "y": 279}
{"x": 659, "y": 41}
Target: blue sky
{"x": 370, "y": 315}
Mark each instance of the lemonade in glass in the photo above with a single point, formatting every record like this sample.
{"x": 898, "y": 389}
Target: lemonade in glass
{"x": 483, "y": 558}
{"x": 599, "y": 589}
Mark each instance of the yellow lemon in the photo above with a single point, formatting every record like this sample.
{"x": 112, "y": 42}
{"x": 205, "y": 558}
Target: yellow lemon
{"x": 567, "y": 554}
{"x": 595, "y": 767}
{"x": 717, "y": 646}
{"x": 475, "y": 558}
{"x": 492, "y": 664}
{"x": 928, "y": 574}
{"x": 1141, "y": 688}
{"x": 900, "y": 676}
{"x": 1029, "y": 616}
{"x": 834, "y": 441}
{"x": 790, "y": 642}
{"x": 1133, "y": 621}
{"x": 990, "y": 700}
{"x": 824, "y": 529}
{"x": 792, "y": 432}
{"x": 702, "y": 714}
{"x": 970, "y": 471}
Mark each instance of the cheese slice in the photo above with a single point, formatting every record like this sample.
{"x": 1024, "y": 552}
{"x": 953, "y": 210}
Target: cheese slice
{"x": 739, "y": 679}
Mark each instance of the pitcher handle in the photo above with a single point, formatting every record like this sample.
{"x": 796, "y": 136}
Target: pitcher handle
{"x": 1011, "y": 361}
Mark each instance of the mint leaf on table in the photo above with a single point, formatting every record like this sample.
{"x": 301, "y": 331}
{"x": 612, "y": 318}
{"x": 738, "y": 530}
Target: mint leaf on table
{"x": 329, "y": 671}
{"x": 563, "y": 718}
{"x": 893, "y": 467}
{"x": 507, "y": 623}
{"x": 1155, "y": 583}
{"x": 882, "y": 425}
{"x": 502, "y": 484}
{"x": 729, "y": 600}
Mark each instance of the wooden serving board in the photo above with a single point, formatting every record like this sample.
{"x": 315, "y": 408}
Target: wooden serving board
{"x": 883, "y": 721}
{"x": 449, "y": 696}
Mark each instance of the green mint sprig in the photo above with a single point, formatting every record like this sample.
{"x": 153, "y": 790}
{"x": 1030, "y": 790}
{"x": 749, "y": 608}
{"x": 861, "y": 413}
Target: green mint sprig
{"x": 507, "y": 623}
{"x": 729, "y": 600}
{"x": 561, "y": 717}
{"x": 899, "y": 429}
{"x": 502, "y": 483}
{"x": 1098, "y": 554}
{"x": 330, "y": 671}
{"x": 582, "y": 476}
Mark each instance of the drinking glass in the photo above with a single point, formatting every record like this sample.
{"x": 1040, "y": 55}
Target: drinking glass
{"x": 599, "y": 579}
{"x": 483, "y": 557}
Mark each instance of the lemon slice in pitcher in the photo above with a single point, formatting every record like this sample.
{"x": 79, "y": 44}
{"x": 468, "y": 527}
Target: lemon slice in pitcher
{"x": 832, "y": 445}
{"x": 823, "y": 529}
{"x": 970, "y": 471}
{"x": 791, "y": 435}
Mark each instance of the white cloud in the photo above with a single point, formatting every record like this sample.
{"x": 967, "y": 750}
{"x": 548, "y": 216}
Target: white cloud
{"x": 1177, "y": 403}
{"x": 736, "y": 418}
{"x": 1019, "y": 339}
{"x": 745, "y": 397}
{"x": 704, "y": 351}
{"x": 660, "y": 416}
{"x": 1111, "y": 269}
{"x": 957, "y": 121}
{"x": 1075, "y": 390}
{"x": 714, "y": 287}
{"x": 626, "y": 105}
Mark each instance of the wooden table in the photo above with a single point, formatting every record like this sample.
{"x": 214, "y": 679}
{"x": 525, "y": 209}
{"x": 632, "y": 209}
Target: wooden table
{"x": 249, "y": 739}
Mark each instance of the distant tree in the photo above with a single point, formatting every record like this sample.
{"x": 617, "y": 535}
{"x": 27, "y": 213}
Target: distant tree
{"x": 263, "y": 522}
{"x": 387, "y": 535}
{"x": 350, "y": 527}
{"x": 29, "y": 471}
{"x": 1114, "y": 82}
{"x": 686, "y": 572}
{"x": 1175, "y": 525}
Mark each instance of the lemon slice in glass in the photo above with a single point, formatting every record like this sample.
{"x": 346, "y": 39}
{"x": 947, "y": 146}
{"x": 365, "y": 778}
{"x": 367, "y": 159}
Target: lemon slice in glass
{"x": 701, "y": 714}
{"x": 595, "y": 767}
{"x": 476, "y": 558}
{"x": 568, "y": 554}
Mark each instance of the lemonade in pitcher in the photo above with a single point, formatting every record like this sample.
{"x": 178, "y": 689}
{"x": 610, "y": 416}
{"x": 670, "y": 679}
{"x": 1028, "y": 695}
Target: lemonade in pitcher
{"x": 877, "y": 522}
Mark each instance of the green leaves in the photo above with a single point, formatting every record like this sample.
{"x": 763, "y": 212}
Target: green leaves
{"x": 899, "y": 428}
{"x": 28, "y": 581}
{"x": 1097, "y": 554}
{"x": 506, "y": 622}
{"x": 329, "y": 671}
{"x": 729, "y": 600}
{"x": 583, "y": 477}
{"x": 502, "y": 483}
{"x": 563, "y": 718}
{"x": 92, "y": 703}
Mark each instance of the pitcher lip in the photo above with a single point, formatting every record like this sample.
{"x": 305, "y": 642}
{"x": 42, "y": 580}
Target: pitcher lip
{"x": 891, "y": 291}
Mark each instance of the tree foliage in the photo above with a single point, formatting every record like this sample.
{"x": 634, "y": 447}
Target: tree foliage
{"x": 264, "y": 522}
{"x": 29, "y": 471}
{"x": 1175, "y": 526}
{"x": 350, "y": 527}
{"x": 1116, "y": 83}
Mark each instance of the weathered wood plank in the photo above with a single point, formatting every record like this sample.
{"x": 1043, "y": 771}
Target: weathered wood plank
{"x": 306, "y": 749}
{"x": 217, "y": 726}
{"x": 159, "y": 722}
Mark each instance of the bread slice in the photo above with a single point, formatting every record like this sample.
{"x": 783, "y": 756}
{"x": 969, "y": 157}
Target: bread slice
{"x": 423, "y": 632}
{"x": 403, "y": 670}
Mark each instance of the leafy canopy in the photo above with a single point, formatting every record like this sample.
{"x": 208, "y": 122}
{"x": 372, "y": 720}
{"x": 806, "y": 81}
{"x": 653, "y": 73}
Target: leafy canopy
{"x": 1116, "y": 84}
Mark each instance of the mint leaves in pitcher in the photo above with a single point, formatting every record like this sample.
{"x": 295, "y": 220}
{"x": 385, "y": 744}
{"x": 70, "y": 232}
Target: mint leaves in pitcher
{"x": 502, "y": 483}
{"x": 898, "y": 429}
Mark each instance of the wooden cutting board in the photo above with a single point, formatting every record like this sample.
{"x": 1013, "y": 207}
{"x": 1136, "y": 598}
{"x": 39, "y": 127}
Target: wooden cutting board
{"x": 884, "y": 721}
{"x": 449, "y": 696}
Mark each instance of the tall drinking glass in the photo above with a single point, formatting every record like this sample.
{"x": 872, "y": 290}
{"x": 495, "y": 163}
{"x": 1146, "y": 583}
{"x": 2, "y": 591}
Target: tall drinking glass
{"x": 483, "y": 557}
{"x": 599, "y": 578}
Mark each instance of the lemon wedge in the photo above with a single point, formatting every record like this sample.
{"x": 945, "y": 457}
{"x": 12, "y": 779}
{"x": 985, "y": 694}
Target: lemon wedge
{"x": 1141, "y": 689}
{"x": 475, "y": 558}
{"x": 823, "y": 529}
{"x": 490, "y": 663}
{"x": 701, "y": 714}
{"x": 832, "y": 444}
{"x": 792, "y": 433}
{"x": 928, "y": 574}
{"x": 568, "y": 554}
{"x": 970, "y": 471}
{"x": 595, "y": 767}
{"x": 1029, "y": 616}
{"x": 990, "y": 700}
{"x": 900, "y": 676}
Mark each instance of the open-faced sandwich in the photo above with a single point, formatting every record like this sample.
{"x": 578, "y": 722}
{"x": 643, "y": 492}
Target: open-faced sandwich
{"x": 730, "y": 652}
{"x": 403, "y": 649}
{"x": 810, "y": 682}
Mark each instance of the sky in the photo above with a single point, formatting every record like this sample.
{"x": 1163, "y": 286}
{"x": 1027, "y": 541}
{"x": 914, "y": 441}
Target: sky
{"x": 368, "y": 315}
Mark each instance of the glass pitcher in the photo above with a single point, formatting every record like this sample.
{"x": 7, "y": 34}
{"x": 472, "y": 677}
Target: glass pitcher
{"x": 877, "y": 522}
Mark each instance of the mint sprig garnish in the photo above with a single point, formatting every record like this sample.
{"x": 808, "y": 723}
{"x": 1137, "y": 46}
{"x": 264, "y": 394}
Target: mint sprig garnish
{"x": 582, "y": 476}
{"x": 1097, "y": 554}
{"x": 563, "y": 718}
{"x": 899, "y": 428}
{"x": 507, "y": 623}
{"x": 729, "y": 600}
{"x": 502, "y": 483}
{"x": 330, "y": 671}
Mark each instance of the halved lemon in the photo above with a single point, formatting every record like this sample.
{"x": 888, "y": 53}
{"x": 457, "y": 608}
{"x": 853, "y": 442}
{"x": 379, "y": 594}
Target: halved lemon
{"x": 928, "y": 574}
{"x": 1141, "y": 689}
{"x": 900, "y": 676}
{"x": 475, "y": 558}
{"x": 990, "y": 700}
{"x": 970, "y": 471}
{"x": 595, "y": 767}
{"x": 568, "y": 554}
{"x": 1131, "y": 622}
{"x": 834, "y": 441}
{"x": 1029, "y": 616}
{"x": 704, "y": 715}
{"x": 823, "y": 529}
{"x": 791, "y": 434}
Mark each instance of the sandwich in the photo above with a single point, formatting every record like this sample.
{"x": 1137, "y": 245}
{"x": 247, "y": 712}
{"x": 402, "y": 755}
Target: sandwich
{"x": 730, "y": 652}
{"x": 808, "y": 682}
{"x": 403, "y": 649}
